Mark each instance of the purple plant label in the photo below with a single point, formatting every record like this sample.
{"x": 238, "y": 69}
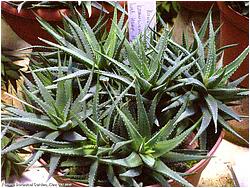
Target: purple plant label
{"x": 141, "y": 14}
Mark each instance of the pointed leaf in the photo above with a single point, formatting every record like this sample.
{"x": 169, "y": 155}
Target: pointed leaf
{"x": 189, "y": 111}
{"x": 92, "y": 173}
{"x": 211, "y": 55}
{"x": 90, "y": 134}
{"x": 120, "y": 65}
{"x": 54, "y": 160}
{"x": 180, "y": 157}
{"x": 160, "y": 178}
{"x": 163, "y": 169}
{"x": 120, "y": 145}
{"x": 193, "y": 81}
{"x": 133, "y": 160}
{"x": 112, "y": 178}
{"x": 73, "y": 75}
{"x": 200, "y": 51}
{"x": 74, "y": 52}
{"x": 171, "y": 71}
{"x": 131, "y": 173}
{"x": 115, "y": 138}
{"x": 234, "y": 65}
{"x": 224, "y": 108}
{"x": 236, "y": 82}
{"x": 165, "y": 146}
{"x": 23, "y": 143}
{"x": 82, "y": 151}
{"x": 33, "y": 121}
{"x": 227, "y": 127}
{"x": 46, "y": 108}
{"x": 36, "y": 156}
{"x": 215, "y": 80}
{"x": 73, "y": 137}
{"x": 143, "y": 121}
{"x": 213, "y": 108}
{"x": 44, "y": 92}
{"x": 206, "y": 119}
{"x": 148, "y": 160}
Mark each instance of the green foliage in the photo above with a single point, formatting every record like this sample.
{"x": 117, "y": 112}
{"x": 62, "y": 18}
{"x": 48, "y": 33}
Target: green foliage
{"x": 57, "y": 118}
{"x": 10, "y": 162}
{"x": 114, "y": 112}
{"x": 213, "y": 93}
{"x": 12, "y": 65}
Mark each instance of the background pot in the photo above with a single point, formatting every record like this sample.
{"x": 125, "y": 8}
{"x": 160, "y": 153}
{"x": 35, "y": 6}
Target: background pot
{"x": 196, "y": 12}
{"x": 25, "y": 25}
{"x": 196, "y": 170}
{"x": 199, "y": 6}
{"x": 242, "y": 127}
{"x": 234, "y": 31}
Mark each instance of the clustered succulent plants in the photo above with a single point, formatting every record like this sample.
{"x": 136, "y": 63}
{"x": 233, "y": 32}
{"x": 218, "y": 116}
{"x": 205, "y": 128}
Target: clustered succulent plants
{"x": 11, "y": 162}
{"x": 12, "y": 66}
{"x": 110, "y": 112}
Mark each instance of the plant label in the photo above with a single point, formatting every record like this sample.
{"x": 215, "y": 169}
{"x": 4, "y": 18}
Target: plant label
{"x": 141, "y": 15}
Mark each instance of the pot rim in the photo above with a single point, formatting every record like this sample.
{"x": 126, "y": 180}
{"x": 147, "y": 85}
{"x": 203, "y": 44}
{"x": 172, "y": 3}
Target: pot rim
{"x": 54, "y": 14}
{"x": 45, "y": 13}
{"x": 194, "y": 169}
{"x": 200, "y": 164}
{"x": 238, "y": 20}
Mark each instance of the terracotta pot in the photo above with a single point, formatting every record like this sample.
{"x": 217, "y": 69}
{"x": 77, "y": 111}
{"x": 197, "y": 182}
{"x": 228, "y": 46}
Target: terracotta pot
{"x": 196, "y": 170}
{"x": 242, "y": 128}
{"x": 196, "y": 12}
{"x": 234, "y": 31}
{"x": 199, "y": 6}
{"x": 25, "y": 25}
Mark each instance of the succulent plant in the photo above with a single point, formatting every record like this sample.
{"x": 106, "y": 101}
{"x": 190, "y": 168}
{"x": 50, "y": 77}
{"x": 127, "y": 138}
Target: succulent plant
{"x": 10, "y": 162}
{"x": 53, "y": 118}
{"x": 115, "y": 112}
{"x": 52, "y": 114}
{"x": 126, "y": 157}
{"x": 12, "y": 65}
{"x": 209, "y": 91}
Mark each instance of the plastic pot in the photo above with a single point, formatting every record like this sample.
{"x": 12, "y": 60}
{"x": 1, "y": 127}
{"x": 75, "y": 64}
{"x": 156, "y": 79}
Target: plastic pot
{"x": 196, "y": 170}
{"x": 25, "y": 25}
{"x": 234, "y": 31}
